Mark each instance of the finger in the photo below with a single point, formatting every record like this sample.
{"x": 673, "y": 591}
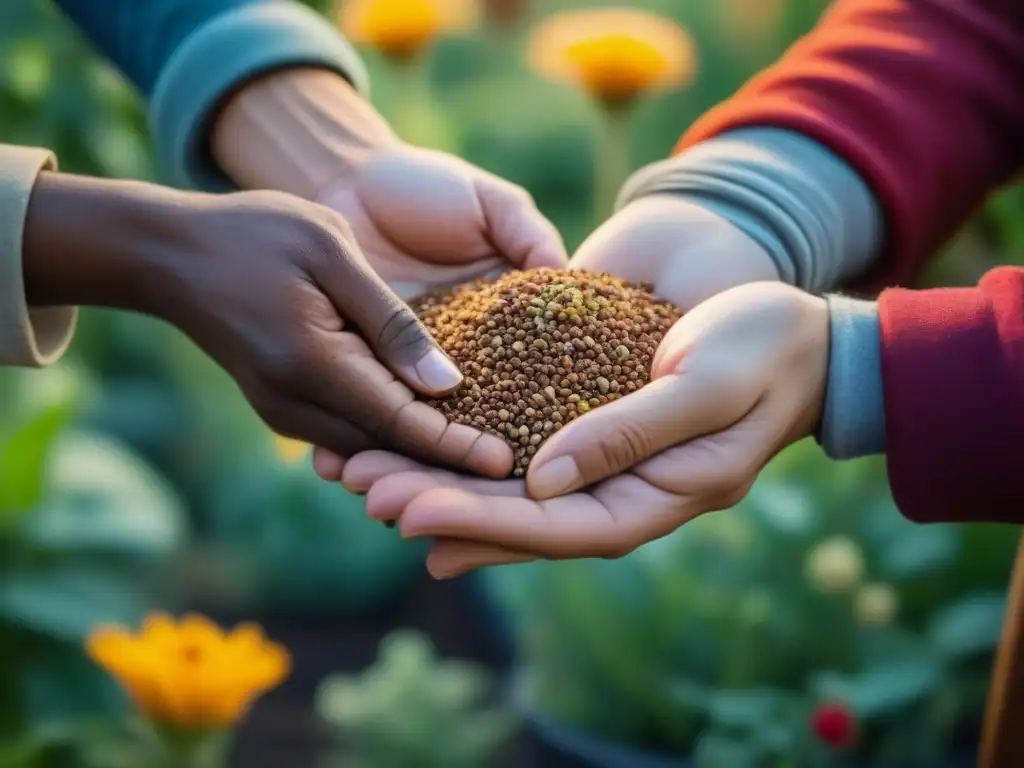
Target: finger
{"x": 386, "y": 322}
{"x": 717, "y": 470}
{"x": 449, "y": 558}
{"x": 311, "y": 424}
{"x": 354, "y": 383}
{"x": 329, "y": 466}
{"x": 625, "y": 432}
{"x": 518, "y": 230}
{"x": 626, "y": 512}
{"x": 387, "y": 498}
{"x": 366, "y": 469}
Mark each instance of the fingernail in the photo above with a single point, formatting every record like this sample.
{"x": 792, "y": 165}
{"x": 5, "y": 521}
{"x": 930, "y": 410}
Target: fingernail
{"x": 437, "y": 372}
{"x": 558, "y": 476}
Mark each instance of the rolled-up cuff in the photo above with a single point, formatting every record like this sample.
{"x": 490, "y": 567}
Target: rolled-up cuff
{"x": 803, "y": 205}
{"x": 853, "y": 423}
{"x": 37, "y": 337}
{"x": 220, "y": 57}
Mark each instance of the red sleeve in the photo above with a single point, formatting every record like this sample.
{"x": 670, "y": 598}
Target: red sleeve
{"x": 924, "y": 98}
{"x": 953, "y": 375}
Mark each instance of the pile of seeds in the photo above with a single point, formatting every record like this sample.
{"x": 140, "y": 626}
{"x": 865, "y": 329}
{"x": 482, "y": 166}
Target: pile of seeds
{"x": 540, "y": 348}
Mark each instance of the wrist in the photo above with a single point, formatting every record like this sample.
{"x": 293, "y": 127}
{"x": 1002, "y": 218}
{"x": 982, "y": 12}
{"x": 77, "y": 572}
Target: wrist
{"x": 297, "y": 131}
{"x": 689, "y": 252}
{"x": 96, "y": 242}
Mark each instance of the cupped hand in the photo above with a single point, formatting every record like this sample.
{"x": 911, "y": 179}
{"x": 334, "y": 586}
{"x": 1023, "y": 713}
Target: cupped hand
{"x": 426, "y": 219}
{"x": 277, "y": 291}
{"x": 735, "y": 380}
{"x": 686, "y": 251}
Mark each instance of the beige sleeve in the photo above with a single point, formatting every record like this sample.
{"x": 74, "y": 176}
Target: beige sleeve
{"x": 36, "y": 337}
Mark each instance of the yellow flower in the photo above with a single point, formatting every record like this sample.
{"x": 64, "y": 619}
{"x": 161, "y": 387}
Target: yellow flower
{"x": 403, "y": 28}
{"x": 289, "y": 450}
{"x": 190, "y": 674}
{"x": 876, "y": 604}
{"x": 614, "y": 54}
{"x": 835, "y": 565}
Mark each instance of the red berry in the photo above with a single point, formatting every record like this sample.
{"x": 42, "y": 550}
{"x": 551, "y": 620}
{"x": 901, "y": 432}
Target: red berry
{"x": 835, "y": 725}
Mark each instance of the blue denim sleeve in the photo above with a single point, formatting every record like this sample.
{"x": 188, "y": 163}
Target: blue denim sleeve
{"x": 139, "y": 36}
{"x": 187, "y": 56}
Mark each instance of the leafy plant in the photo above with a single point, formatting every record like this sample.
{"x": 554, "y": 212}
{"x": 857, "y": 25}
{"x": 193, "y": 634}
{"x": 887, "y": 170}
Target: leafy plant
{"x": 730, "y": 631}
{"x": 411, "y": 710}
{"x": 81, "y": 519}
{"x": 302, "y": 546}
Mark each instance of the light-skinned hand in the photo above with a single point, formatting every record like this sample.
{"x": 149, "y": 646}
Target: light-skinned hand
{"x": 422, "y": 219}
{"x": 737, "y": 379}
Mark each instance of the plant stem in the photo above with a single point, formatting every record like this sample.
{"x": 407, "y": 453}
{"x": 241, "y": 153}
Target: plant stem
{"x": 194, "y": 750}
{"x": 413, "y": 103}
{"x": 613, "y": 161}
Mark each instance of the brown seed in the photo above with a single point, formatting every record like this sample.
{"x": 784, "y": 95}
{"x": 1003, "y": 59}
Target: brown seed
{"x": 542, "y": 347}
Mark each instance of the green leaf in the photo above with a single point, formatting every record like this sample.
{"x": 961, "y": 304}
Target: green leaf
{"x": 715, "y": 750}
{"x": 103, "y": 498}
{"x": 23, "y": 461}
{"x": 970, "y": 626}
{"x": 62, "y": 688}
{"x": 66, "y": 604}
{"x": 917, "y": 551}
{"x": 883, "y": 689}
{"x": 744, "y": 709}
{"x": 36, "y": 748}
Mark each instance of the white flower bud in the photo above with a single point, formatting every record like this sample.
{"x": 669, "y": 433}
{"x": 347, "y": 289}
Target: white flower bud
{"x": 835, "y": 565}
{"x": 876, "y": 604}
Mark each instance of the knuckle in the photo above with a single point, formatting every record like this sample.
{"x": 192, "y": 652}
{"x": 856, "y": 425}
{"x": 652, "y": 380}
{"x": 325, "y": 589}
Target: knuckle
{"x": 286, "y": 369}
{"x": 403, "y": 334}
{"x": 631, "y": 446}
{"x": 321, "y": 244}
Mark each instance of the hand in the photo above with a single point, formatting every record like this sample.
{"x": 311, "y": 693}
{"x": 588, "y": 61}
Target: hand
{"x": 737, "y": 379}
{"x": 426, "y": 219}
{"x": 423, "y": 219}
{"x": 271, "y": 287}
{"x": 688, "y": 252}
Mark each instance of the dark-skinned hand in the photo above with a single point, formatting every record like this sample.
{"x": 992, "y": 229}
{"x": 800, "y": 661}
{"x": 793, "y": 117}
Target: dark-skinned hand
{"x": 276, "y": 291}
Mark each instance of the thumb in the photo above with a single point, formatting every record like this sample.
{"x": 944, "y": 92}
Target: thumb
{"x": 516, "y": 228}
{"x": 674, "y": 409}
{"x": 386, "y": 323}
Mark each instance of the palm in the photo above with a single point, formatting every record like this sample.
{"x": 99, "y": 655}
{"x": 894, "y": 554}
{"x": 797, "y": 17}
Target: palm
{"x": 688, "y": 252}
{"x": 480, "y": 522}
{"x": 425, "y": 219}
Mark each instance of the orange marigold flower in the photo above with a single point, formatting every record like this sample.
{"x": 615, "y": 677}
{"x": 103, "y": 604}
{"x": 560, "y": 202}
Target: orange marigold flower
{"x": 190, "y": 674}
{"x": 615, "y": 54}
{"x": 403, "y": 28}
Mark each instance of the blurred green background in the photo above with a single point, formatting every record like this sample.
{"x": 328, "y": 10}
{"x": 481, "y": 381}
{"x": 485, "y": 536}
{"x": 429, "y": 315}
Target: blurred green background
{"x": 133, "y": 475}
